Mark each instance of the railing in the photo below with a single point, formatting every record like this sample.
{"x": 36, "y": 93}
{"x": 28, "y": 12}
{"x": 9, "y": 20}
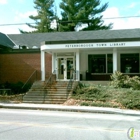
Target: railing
{"x": 30, "y": 81}
{"x": 49, "y": 82}
{"x": 70, "y": 83}
{"x": 51, "y": 79}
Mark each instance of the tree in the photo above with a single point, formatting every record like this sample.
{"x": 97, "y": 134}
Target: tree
{"x": 76, "y": 13}
{"x": 45, "y": 16}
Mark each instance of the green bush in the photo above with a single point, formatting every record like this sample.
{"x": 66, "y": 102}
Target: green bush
{"x": 130, "y": 99}
{"x": 119, "y": 80}
{"x": 16, "y": 88}
{"x": 124, "y": 81}
{"x": 108, "y": 96}
{"x": 84, "y": 104}
{"x": 84, "y": 89}
{"x": 135, "y": 82}
{"x": 91, "y": 93}
{"x": 100, "y": 104}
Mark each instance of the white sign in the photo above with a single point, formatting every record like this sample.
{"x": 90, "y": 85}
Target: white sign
{"x": 90, "y": 45}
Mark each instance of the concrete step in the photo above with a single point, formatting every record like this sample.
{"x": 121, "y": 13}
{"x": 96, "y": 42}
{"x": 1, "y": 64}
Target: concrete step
{"x": 45, "y": 102}
{"x": 46, "y": 99}
{"x": 34, "y": 99}
{"x": 47, "y": 92}
{"x": 42, "y": 88}
{"x": 46, "y": 96}
{"x": 42, "y": 93}
{"x": 34, "y": 102}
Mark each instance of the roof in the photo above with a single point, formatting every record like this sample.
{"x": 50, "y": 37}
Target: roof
{"x": 35, "y": 39}
{"x": 5, "y": 41}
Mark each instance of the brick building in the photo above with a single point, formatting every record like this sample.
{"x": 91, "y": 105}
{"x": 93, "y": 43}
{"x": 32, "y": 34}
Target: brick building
{"x": 94, "y": 55}
{"x": 19, "y": 60}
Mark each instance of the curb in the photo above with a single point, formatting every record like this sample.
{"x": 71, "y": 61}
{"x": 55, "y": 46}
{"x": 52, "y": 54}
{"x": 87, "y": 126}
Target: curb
{"x": 71, "y": 109}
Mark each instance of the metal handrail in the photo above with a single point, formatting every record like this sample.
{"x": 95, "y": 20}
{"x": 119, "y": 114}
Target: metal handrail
{"x": 70, "y": 83}
{"x": 49, "y": 81}
{"x": 35, "y": 72}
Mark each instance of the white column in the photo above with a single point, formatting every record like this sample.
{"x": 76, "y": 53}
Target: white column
{"x": 53, "y": 62}
{"x": 42, "y": 65}
{"x": 115, "y": 60}
{"x": 77, "y": 66}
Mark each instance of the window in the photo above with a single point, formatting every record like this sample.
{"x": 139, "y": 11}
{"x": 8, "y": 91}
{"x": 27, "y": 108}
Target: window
{"x": 100, "y": 63}
{"x": 130, "y": 63}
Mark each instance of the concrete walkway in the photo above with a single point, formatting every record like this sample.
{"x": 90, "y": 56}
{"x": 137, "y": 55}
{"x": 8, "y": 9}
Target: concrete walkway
{"x": 53, "y": 107}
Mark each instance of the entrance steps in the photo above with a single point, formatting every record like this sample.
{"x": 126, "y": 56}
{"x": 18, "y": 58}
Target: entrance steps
{"x": 47, "y": 94}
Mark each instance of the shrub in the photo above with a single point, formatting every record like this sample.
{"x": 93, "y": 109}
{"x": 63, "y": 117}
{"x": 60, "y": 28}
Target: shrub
{"x": 84, "y": 104}
{"x": 100, "y": 104}
{"x": 135, "y": 82}
{"x": 16, "y": 88}
{"x": 130, "y": 99}
{"x": 124, "y": 81}
{"x": 109, "y": 96}
{"x": 91, "y": 93}
{"x": 82, "y": 89}
{"x": 119, "y": 80}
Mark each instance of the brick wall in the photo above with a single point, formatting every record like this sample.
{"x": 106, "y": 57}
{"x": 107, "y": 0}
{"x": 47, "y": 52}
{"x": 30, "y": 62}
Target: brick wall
{"x": 19, "y": 67}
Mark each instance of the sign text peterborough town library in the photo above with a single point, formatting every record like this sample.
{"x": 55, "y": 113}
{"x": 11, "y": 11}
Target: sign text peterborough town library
{"x": 90, "y": 45}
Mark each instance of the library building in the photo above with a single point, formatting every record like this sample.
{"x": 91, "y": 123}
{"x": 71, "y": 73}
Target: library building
{"x": 92, "y": 55}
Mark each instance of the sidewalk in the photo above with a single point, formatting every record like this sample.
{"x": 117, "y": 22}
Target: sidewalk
{"x": 52, "y": 107}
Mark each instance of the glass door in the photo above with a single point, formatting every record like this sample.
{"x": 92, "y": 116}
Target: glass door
{"x": 61, "y": 68}
{"x": 70, "y": 68}
{"x": 65, "y": 67}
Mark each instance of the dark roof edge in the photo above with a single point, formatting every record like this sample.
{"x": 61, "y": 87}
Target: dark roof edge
{"x": 11, "y": 40}
{"x": 17, "y": 51}
{"x": 80, "y": 31}
{"x": 90, "y": 41}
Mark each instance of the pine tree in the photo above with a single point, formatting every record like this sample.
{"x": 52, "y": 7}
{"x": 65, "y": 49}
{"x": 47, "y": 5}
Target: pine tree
{"x": 45, "y": 16}
{"x": 76, "y": 13}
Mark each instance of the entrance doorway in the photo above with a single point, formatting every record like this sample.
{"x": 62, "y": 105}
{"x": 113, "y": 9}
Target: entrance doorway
{"x": 65, "y": 68}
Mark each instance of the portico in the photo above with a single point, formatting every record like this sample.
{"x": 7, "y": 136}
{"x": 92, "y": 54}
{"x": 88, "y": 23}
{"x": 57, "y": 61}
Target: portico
{"x": 65, "y": 62}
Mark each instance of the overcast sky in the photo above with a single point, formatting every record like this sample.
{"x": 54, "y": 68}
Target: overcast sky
{"x": 18, "y": 11}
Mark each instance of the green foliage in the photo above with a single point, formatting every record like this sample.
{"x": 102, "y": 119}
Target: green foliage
{"x": 130, "y": 99}
{"x": 135, "y": 82}
{"x": 84, "y": 104}
{"x": 81, "y": 89}
{"x": 124, "y": 81}
{"x": 43, "y": 19}
{"x": 75, "y": 13}
{"x": 90, "y": 93}
{"x": 109, "y": 96}
{"x": 98, "y": 104}
{"x": 102, "y": 104}
{"x": 16, "y": 88}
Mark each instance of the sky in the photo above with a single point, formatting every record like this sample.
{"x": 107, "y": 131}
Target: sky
{"x": 18, "y": 11}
